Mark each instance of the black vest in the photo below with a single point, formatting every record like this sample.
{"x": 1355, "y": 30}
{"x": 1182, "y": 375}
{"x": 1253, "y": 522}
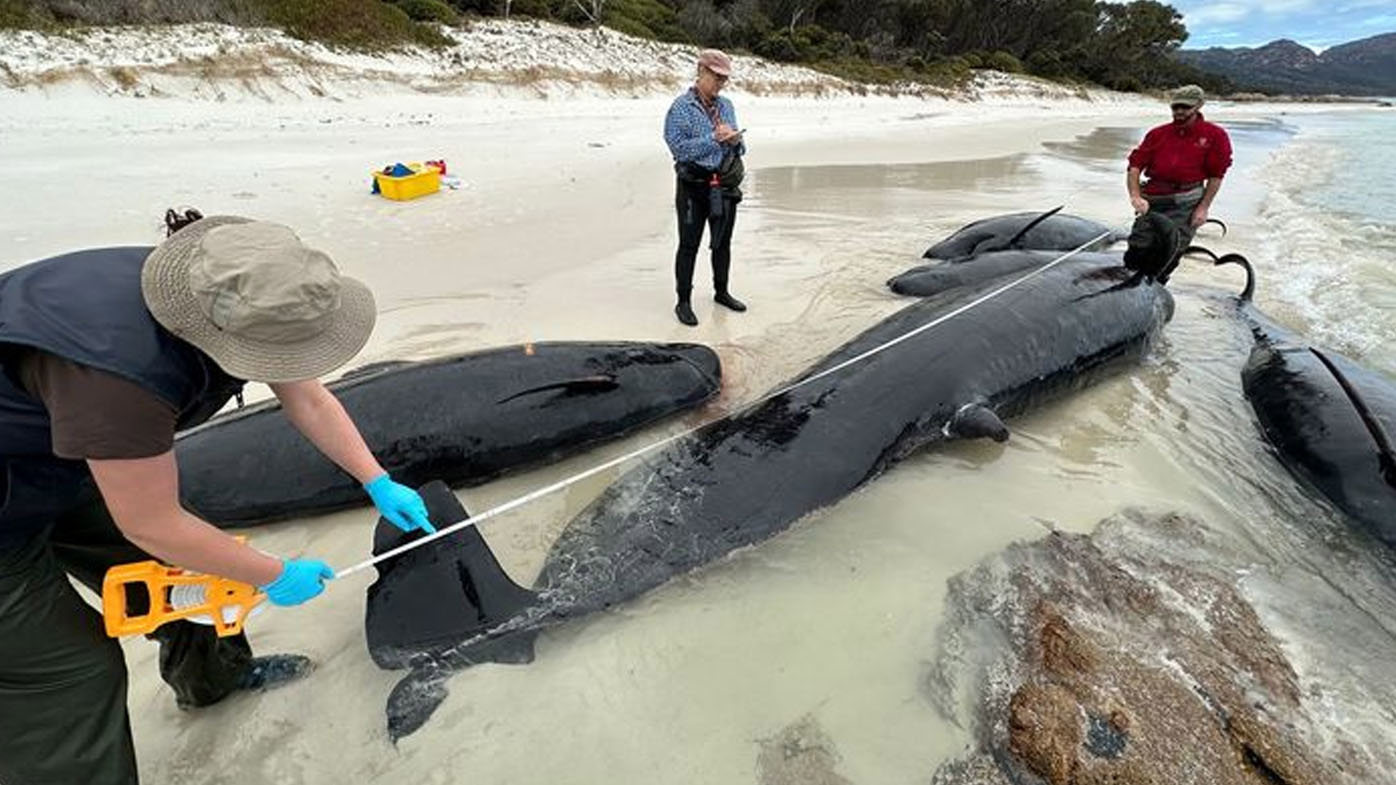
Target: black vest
{"x": 85, "y": 307}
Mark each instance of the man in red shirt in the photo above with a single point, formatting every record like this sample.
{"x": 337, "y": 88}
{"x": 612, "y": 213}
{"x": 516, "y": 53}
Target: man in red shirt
{"x": 1184, "y": 162}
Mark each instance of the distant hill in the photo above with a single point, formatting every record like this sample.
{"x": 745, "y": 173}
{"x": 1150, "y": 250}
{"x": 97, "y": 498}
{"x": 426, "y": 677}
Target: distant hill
{"x": 1365, "y": 67}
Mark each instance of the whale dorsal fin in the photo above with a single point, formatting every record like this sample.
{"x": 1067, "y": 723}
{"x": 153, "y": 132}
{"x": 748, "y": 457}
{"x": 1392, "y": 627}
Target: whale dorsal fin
{"x": 977, "y": 421}
{"x": 1386, "y": 451}
{"x": 1013, "y": 242}
{"x": 601, "y": 382}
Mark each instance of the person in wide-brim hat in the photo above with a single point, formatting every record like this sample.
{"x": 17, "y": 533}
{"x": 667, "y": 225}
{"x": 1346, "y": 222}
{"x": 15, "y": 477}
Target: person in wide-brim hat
{"x": 258, "y": 301}
{"x": 104, "y": 355}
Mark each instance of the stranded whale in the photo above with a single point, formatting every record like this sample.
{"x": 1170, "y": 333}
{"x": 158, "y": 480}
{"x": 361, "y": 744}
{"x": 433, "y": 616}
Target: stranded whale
{"x": 929, "y": 279}
{"x": 1330, "y": 420}
{"x": 744, "y": 479}
{"x": 464, "y": 419}
{"x": 1049, "y": 231}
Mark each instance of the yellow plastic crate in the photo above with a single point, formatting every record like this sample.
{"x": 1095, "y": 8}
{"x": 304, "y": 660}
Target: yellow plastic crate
{"x": 420, "y": 183}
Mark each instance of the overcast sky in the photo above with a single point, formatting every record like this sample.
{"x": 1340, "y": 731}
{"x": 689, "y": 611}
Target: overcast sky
{"x": 1315, "y": 23}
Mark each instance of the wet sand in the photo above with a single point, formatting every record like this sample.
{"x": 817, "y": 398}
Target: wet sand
{"x": 564, "y": 230}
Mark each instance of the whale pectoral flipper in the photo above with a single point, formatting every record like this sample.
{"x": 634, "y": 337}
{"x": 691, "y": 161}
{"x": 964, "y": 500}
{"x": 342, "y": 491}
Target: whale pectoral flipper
{"x": 433, "y": 598}
{"x": 601, "y": 382}
{"x": 977, "y": 421}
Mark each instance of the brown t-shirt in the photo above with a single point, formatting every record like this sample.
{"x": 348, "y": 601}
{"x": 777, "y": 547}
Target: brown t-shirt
{"x": 96, "y": 414}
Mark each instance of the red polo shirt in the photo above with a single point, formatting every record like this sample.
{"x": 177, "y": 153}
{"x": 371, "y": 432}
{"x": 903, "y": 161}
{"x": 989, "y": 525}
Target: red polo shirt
{"x": 1172, "y": 156}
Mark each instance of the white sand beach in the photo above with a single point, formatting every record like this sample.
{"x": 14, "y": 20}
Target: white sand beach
{"x": 563, "y": 228}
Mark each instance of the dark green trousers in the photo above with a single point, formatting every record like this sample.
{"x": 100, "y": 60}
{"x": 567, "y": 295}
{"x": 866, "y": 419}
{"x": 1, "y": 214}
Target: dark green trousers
{"x": 1178, "y": 207}
{"x": 63, "y": 681}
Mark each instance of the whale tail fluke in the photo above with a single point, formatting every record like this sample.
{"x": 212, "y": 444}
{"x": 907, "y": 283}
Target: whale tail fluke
{"x": 438, "y": 609}
{"x": 421, "y": 692}
{"x": 1230, "y": 258}
{"x": 432, "y": 600}
{"x": 413, "y": 700}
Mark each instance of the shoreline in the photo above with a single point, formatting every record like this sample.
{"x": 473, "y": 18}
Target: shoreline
{"x": 549, "y": 187}
{"x": 488, "y": 57}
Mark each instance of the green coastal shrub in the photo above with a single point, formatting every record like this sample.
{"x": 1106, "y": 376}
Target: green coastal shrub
{"x": 703, "y": 22}
{"x": 1047, "y": 63}
{"x": 429, "y": 11}
{"x": 357, "y": 24}
{"x": 53, "y": 14}
{"x": 779, "y": 46}
{"x": 16, "y": 14}
{"x": 546, "y": 9}
{"x": 1003, "y": 61}
{"x": 644, "y": 19}
{"x": 1125, "y": 84}
{"x": 808, "y": 44}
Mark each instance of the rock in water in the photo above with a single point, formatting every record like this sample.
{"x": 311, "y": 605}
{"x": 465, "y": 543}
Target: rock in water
{"x": 1126, "y": 656}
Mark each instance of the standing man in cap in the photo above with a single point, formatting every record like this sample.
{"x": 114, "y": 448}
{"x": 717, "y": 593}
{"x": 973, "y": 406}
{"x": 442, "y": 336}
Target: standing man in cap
{"x": 104, "y": 355}
{"x": 1184, "y": 161}
{"x": 702, "y": 133}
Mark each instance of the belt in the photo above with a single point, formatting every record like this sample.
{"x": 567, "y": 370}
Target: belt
{"x": 1172, "y": 186}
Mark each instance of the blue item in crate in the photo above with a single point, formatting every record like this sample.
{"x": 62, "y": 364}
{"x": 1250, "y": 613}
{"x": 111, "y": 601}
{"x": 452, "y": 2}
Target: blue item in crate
{"x": 398, "y": 169}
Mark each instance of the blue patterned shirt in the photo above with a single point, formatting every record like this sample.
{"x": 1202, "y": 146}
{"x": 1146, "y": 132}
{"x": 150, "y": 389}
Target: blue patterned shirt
{"x": 689, "y": 132}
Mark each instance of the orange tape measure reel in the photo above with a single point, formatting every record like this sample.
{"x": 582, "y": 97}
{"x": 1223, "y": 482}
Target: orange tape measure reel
{"x": 174, "y": 594}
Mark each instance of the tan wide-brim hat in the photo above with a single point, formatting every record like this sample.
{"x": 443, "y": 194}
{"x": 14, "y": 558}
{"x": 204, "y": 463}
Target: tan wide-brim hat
{"x": 252, "y": 296}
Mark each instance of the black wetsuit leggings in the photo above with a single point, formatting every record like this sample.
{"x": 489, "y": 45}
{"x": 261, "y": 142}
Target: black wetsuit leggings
{"x": 62, "y": 680}
{"x": 692, "y": 202}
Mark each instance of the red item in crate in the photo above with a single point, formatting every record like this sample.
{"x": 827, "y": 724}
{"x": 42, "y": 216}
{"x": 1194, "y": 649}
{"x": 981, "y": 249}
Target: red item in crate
{"x": 439, "y": 166}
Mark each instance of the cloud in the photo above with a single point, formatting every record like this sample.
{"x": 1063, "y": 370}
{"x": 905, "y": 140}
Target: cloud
{"x": 1283, "y": 7}
{"x": 1217, "y": 13}
{"x": 1233, "y": 10}
{"x": 1358, "y": 5}
{"x": 1314, "y": 23}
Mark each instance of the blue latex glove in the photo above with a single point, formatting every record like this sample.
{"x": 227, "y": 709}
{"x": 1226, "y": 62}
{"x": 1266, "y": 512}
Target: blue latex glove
{"x": 402, "y": 506}
{"x": 300, "y": 580}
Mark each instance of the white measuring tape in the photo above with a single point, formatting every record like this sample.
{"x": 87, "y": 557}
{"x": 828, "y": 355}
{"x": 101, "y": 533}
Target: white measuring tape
{"x": 593, "y": 471}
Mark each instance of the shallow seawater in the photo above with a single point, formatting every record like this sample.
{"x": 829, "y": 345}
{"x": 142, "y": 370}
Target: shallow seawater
{"x": 1330, "y": 234}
